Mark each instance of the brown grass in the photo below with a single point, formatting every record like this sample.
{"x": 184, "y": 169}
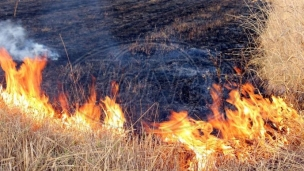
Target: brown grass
{"x": 26, "y": 144}
{"x": 30, "y": 145}
{"x": 280, "y": 59}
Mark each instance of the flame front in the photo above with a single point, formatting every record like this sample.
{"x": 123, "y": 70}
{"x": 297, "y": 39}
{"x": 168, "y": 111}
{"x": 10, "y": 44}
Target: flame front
{"x": 195, "y": 135}
{"x": 254, "y": 122}
{"x": 23, "y": 92}
{"x": 249, "y": 121}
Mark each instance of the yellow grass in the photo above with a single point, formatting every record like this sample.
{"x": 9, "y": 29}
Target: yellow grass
{"x": 281, "y": 47}
{"x": 26, "y": 144}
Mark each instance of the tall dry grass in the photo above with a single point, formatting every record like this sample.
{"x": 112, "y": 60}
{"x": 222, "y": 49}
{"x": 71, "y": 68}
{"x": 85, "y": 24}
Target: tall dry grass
{"x": 26, "y": 144}
{"x": 280, "y": 59}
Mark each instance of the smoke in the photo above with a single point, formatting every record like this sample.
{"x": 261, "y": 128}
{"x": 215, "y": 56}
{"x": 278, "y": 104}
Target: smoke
{"x": 13, "y": 38}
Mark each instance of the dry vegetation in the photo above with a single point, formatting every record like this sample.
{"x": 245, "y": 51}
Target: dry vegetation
{"x": 46, "y": 145}
{"x": 281, "y": 49}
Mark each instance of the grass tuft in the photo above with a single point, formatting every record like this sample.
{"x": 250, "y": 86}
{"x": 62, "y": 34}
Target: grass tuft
{"x": 280, "y": 56}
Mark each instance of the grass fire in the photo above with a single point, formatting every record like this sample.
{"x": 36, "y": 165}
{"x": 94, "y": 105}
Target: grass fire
{"x": 23, "y": 91}
{"x": 251, "y": 119}
{"x": 255, "y": 123}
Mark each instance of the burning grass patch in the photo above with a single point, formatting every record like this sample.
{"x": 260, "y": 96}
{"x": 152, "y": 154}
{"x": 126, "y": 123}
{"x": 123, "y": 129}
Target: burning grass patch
{"x": 50, "y": 147}
{"x": 37, "y": 137}
{"x": 24, "y": 147}
{"x": 252, "y": 133}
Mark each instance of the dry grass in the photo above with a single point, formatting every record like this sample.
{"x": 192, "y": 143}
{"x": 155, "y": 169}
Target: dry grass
{"x": 26, "y": 144}
{"x": 281, "y": 47}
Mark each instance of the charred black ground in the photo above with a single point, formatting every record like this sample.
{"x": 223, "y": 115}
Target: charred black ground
{"x": 164, "y": 54}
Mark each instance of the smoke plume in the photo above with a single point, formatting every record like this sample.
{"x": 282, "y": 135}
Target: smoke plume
{"x": 13, "y": 38}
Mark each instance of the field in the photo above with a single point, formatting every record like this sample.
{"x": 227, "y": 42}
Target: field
{"x": 181, "y": 73}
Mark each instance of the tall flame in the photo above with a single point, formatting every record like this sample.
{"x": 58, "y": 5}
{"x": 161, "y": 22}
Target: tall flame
{"x": 23, "y": 85}
{"x": 254, "y": 121}
{"x": 23, "y": 91}
{"x": 114, "y": 115}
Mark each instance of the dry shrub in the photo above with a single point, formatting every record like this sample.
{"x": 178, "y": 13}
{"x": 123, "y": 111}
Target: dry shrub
{"x": 280, "y": 59}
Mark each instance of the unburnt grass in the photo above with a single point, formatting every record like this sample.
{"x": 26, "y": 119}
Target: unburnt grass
{"x": 279, "y": 57}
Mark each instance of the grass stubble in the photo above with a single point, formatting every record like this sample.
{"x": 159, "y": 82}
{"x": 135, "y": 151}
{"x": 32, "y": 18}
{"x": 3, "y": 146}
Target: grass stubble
{"x": 26, "y": 144}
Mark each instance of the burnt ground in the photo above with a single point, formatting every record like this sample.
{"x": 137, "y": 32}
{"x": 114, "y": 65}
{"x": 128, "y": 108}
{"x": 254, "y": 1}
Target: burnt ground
{"x": 164, "y": 54}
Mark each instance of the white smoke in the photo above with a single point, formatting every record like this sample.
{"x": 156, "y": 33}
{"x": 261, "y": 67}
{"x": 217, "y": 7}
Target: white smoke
{"x": 14, "y": 39}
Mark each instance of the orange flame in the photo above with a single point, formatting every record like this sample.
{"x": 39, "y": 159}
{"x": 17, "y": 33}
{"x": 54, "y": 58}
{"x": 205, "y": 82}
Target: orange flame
{"x": 23, "y": 91}
{"x": 250, "y": 119}
{"x": 87, "y": 116}
{"x": 114, "y": 114}
{"x": 23, "y": 85}
{"x": 255, "y": 120}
